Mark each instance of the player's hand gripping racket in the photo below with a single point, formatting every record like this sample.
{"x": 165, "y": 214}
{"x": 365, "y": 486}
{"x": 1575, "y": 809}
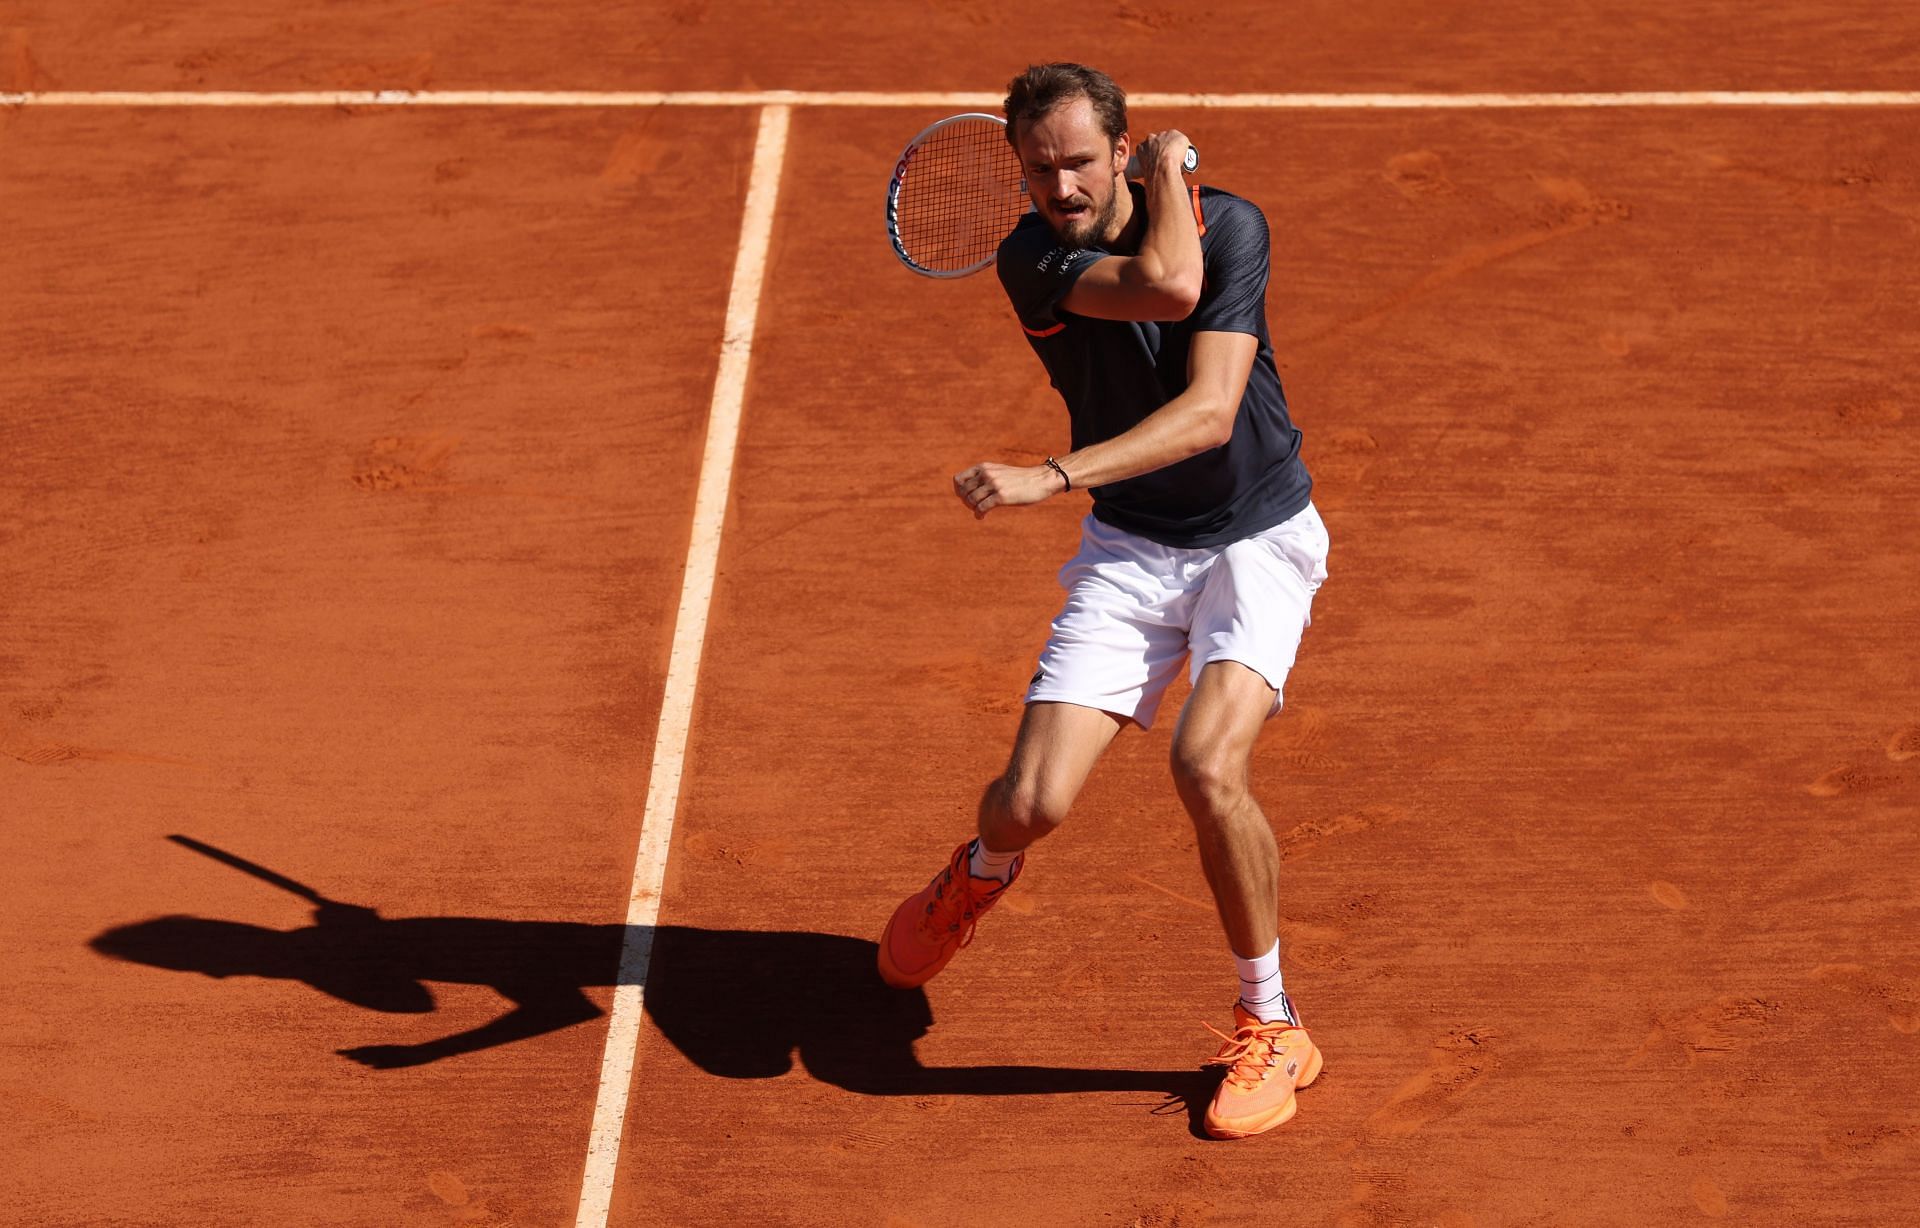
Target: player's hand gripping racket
{"x": 957, "y": 191}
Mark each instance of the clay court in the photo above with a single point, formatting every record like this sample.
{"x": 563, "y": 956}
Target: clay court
{"x": 425, "y": 806}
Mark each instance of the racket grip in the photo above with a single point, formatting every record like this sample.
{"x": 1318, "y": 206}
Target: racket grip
{"x": 1189, "y": 164}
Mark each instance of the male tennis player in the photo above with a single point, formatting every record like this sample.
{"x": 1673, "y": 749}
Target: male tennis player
{"x": 1145, "y": 303}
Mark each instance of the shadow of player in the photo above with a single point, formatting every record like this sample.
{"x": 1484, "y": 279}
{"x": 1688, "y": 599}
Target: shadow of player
{"x": 739, "y": 1004}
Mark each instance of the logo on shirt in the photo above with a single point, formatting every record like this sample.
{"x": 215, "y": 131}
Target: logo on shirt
{"x": 1063, "y": 257}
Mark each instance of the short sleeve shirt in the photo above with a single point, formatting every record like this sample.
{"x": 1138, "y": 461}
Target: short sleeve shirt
{"x": 1113, "y": 373}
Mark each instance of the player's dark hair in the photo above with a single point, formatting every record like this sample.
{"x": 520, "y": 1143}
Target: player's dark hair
{"x": 1036, "y": 92}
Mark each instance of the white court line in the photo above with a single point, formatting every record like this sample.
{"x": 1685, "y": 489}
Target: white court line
{"x": 955, "y": 101}
{"x": 683, "y": 670}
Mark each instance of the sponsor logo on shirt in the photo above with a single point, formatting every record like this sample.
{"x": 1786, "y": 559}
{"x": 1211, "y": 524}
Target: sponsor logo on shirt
{"x": 1064, "y": 256}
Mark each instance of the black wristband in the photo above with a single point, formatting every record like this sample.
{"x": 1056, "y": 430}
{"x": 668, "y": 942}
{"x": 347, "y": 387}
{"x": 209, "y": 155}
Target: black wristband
{"x": 1055, "y": 466}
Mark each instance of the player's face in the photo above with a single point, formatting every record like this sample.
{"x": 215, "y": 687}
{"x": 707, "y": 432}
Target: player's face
{"x": 1073, "y": 173}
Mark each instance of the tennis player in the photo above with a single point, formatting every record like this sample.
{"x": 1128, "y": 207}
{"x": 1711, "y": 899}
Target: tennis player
{"x": 1145, "y": 303}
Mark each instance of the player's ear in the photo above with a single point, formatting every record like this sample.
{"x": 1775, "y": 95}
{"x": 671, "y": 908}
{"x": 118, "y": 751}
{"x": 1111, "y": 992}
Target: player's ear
{"x": 1122, "y": 150}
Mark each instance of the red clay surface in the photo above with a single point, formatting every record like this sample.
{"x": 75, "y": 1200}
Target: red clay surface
{"x": 871, "y": 44}
{"x": 344, "y": 500}
{"x": 348, "y": 461}
{"x": 1591, "y": 928}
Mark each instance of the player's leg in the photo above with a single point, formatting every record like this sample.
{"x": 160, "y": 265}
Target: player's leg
{"x": 1112, "y": 651}
{"x": 1057, "y": 747}
{"x": 1054, "y": 754}
{"x": 1212, "y": 752}
{"x": 1246, "y": 632}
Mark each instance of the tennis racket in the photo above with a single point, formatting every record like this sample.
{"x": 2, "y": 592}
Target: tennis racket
{"x": 957, "y": 191}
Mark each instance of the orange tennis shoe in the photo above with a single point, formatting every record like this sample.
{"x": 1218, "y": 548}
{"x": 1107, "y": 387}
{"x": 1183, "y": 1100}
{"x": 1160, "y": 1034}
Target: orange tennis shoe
{"x": 930, "y": 926}
{"x": 1266, "y": 1063}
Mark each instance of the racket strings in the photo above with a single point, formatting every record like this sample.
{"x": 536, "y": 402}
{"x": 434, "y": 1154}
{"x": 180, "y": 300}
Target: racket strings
{"x": 961, "y": 193}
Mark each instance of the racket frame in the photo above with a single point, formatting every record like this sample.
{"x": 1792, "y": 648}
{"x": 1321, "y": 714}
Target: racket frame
{"x": 1191, "y": 164}
{"x": 900, "y": 177}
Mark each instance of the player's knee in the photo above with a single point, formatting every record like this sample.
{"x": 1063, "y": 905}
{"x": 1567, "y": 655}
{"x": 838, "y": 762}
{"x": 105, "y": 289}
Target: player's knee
{"x": 1027, "y": 807}
{"x": 1036, "y": 808}
{"x": 1211, "y": 781}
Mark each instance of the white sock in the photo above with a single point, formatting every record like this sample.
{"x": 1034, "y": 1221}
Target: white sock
{"x": 985, "y": 863}
{"x": 1261, "y": 990}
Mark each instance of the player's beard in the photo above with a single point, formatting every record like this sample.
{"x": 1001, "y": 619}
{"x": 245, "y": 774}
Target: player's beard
{"x": 1091, "y": 229}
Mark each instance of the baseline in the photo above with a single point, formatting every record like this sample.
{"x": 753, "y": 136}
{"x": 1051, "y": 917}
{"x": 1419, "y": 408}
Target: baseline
{"x": 959, "y": 100}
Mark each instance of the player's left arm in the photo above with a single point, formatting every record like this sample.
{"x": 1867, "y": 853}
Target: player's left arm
{"x": 1201, "y": 417}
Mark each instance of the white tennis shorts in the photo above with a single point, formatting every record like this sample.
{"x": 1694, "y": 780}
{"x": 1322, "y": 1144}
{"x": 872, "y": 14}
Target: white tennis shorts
{"x": 1136, "y": 608}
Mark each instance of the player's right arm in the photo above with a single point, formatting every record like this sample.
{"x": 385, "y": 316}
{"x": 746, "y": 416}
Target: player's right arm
{"x": 1163, "y": 280}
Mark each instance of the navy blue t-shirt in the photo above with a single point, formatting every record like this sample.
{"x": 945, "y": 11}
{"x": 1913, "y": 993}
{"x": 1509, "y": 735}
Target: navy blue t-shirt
{"x": 1113, "y": 373}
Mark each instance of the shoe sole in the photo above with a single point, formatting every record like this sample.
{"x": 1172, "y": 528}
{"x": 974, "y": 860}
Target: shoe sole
{"x": 1247, "y": 1127}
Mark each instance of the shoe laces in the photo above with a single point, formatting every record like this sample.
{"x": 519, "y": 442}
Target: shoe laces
{"x": 1250, "y": 1052}
{"x": 954, "y": 908}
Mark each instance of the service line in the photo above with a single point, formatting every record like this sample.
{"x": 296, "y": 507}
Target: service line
{"x": 950, "y": 100}
{"x": 683, "y": 671}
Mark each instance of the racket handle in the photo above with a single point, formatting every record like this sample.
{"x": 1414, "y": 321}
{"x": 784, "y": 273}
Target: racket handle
{"x": 1189, "y": 164}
